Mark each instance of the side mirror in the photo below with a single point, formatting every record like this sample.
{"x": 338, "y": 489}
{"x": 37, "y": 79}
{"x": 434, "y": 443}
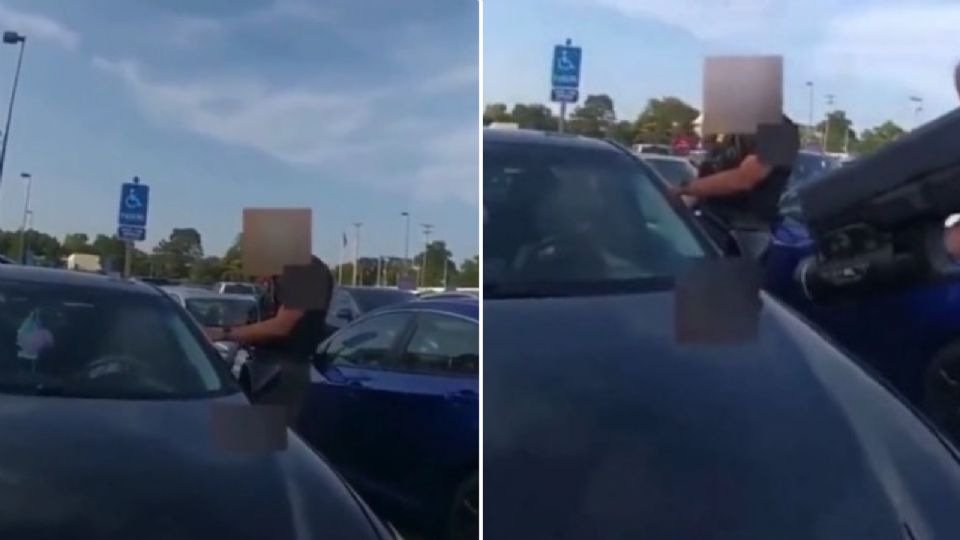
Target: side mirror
{"x": 345, "y": 314}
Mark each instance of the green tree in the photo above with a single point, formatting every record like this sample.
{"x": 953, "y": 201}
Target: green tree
{"x": 207, "y": 270}
{"x": 663, "y": 119}
{"x": 838, "y": 123}
{"x": 874, "y": 138}
{"x": 77, "y": 243}
{"x": 44, "y": 248}
{"x": 594, "y": 118}
{"x": 177, "y": 255}
{"x": 496, "y": 112}
{"x": 437, "y": 256}
{"x": 112, "y": 251}
{"x": 469, "y": 272}
{"x": 232, "y": 262}
{"x": 534, "y": 116}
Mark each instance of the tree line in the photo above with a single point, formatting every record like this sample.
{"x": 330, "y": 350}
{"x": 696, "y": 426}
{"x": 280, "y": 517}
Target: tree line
{"x": 665, "y": 119}
{"x": 181, "y": 257}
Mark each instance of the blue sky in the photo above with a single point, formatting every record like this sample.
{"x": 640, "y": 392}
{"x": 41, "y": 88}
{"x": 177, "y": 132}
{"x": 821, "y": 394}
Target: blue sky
{"x": 871, "y": 54}
{"x": 358, "y": 110}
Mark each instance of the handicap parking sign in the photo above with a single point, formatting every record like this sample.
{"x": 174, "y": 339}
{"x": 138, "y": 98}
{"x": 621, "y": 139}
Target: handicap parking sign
{"x": 134, "y": 201}
{"x": 566, "y": 66}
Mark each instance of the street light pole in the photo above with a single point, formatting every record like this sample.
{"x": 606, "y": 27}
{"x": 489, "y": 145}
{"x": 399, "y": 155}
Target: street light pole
{"x": 826, "y": 125}
{"x": 11, "y": 38}
{"x": 406, "y": 243}
{"x": 811, "y": 129}
{"x": 356, "y": 252}
{"x": 427, "y": 229}
{"x": 23, "y": 226}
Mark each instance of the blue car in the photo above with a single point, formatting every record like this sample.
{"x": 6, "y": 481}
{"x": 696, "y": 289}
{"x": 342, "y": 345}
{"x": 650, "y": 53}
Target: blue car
{"x": 910, "y": 337}
{"x": 394, "y": 404}
{"x": 601, "y": 421}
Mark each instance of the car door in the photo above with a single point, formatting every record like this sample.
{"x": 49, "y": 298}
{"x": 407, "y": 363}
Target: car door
{"x": 333, "y": 404}
{"x": 423, "y": 423}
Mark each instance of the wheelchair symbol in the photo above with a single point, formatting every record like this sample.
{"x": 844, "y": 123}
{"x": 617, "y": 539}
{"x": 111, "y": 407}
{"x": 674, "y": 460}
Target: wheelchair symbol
{"x": 132, "y": 200}
{"x": 564, "y": 63}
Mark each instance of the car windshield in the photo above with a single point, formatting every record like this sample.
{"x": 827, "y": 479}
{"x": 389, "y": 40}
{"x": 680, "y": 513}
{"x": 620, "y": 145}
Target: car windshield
{"x": 74, "y": 341}
{"x": 221, "y": 312}
{"x": 239, "y": 288}
{"x": 673, "y": 170}
{"x": 371, "y": 299}
{"x": 571, "y": 219}
{"x": 809, "y": 167}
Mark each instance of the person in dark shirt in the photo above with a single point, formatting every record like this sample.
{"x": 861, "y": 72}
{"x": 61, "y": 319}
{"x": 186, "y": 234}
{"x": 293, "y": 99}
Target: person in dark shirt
{"x": 288, "y": 338}
{"x": 735, "y": 185}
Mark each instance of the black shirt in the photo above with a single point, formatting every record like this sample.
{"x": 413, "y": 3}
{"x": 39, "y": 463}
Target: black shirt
{"x": 307, "y": 333}
{"x": 759, "y": 206}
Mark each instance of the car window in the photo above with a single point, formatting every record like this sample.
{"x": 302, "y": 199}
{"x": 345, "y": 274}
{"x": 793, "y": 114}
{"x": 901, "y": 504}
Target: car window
{"x": 100, "y": 344}
{"x": 222, "y": 312}
{"x": 674, "y": 171}
{"x": 807, "y": 168}
{"x": 371, "y": 299}
{"x": 443, "y": 344}
{"x": 339, "y": 301}
{"x": 367, "y": 344}
{"x": 239, "y": 288}
{"x": 569, "y": 216}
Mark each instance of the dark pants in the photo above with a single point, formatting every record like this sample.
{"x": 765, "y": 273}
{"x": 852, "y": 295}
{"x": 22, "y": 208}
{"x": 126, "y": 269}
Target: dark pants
{"x": 289, "y": 390}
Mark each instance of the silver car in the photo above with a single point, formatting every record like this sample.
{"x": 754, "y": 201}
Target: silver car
{"x": 212, "y": 309}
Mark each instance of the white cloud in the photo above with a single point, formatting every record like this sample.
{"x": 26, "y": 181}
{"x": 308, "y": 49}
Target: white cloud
{"x": 38, "y": 27}
{"x": 312, "y": 128}
{"x": 911, "y": 47}
{"x": 188, "y": 32}
{"x": 456, "y": 78}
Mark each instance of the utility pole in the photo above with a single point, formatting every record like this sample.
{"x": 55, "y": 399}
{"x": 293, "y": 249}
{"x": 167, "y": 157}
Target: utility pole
{"x": 427, "y": 230}
{"x": 26, "y": 211}
{"x": 811, "y": 130}
{"x": 356, "y": 252}
{"x": 826, "y": 125}
{"x": 406, "y": 244}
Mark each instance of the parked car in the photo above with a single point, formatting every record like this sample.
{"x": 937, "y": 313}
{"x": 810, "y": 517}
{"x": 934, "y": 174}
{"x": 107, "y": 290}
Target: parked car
{"x": 349, "y": 303}
{"x": 658, "y": 149}
{"x": 911, "y": 337}
{"x": 673, "y": 169}
{"x": 6, "y": 260}
{"x": 235, "y": 287}
{"x": 394, "y": 405}
{"x": 128, "y": 425}
{"x": 216, "y": 310}
{"x": 601, "y": 423}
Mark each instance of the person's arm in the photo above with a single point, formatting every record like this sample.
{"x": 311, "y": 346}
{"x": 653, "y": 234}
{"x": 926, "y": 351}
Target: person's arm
{"x": 750, "y": 173}
{"x": 266, "y": 331}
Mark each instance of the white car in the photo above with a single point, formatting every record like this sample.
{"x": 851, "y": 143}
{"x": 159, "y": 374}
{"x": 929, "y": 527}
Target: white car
{"x": 210, "y": 308}
{"x": 237, "y": 287}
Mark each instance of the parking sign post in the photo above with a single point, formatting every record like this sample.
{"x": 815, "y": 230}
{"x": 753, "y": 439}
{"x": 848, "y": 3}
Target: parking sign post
{"x": 132, "y": 218}
{"x": 565, "y": 78}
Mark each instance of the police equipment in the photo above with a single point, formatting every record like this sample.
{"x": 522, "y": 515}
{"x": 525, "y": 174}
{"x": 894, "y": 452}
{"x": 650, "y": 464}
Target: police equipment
{"x": 878, "y": 223}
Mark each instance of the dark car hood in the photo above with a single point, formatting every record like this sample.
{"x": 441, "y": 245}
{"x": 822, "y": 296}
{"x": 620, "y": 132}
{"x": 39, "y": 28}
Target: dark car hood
{"x": 95, "y": 469}
{"x": 597, "y": 424}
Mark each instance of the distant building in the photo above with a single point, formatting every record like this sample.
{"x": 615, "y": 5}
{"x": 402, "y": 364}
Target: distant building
{"x": 84, "y": 262}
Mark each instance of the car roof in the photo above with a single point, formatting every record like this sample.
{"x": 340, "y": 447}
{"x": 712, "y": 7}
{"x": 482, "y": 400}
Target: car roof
{"x": 546, "y": 138}
{"x": 665, "y": 157}
{"x": 462, "y": 307}
{"x": 191, "y": 292}
{"x": 73, "y": 278}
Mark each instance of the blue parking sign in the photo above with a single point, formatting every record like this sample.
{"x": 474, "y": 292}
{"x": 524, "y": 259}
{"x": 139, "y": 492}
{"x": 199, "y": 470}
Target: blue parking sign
{"x": 134, "y": 201}
{"x": 566, "y": 66}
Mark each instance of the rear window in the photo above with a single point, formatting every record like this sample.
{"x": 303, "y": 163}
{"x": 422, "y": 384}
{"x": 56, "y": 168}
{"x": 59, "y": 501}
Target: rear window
{"x": 239, "y": 288}
{"x": 371, "y": 299}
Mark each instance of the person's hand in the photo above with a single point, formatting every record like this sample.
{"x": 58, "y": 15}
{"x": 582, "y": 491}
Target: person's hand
{"x": 675, "y": 194}
{"x": 214, "y": 334}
